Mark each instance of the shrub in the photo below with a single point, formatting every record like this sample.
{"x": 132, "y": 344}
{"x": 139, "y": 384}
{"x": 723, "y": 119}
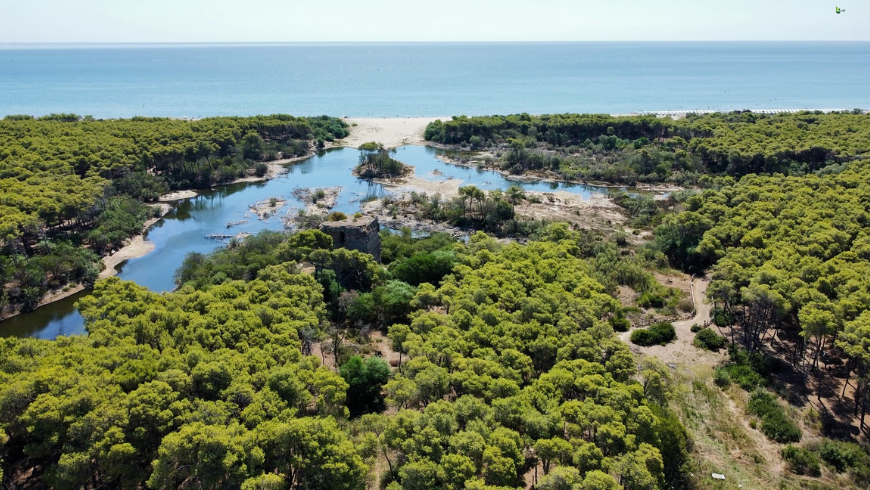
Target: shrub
{"x": 260, "y": 169}
{"x": 745, "y": 377}
{"x": 762, "y": 403}
{"x": 650, "y": 300}
{"x": 801, "y": 461}
{"x": 750, "y": 372}
{"x": 708, "y": 339}
{"x": 660, "y": 333}
{"x": 619, "y": 323}
{"x": 686, "y": 305}
{"x": 337, "y": 216}
{"x": 774, "y": 422}
{"x": 842, "y": 455}
{"x": 695, "y": 328}
{"x": 621, "y": 238}
{"x": 722, "y": 377}
{"x": 721, "y": 318}
{"x": 780, "y": 429}
{"x": 426, "y": 267}
{"x": 641, "y": 336}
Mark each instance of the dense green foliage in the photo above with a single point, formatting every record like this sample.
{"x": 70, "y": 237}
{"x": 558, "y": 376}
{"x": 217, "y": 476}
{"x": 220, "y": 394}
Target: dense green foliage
{"x": 67, "y": 182}
{"x": 658, "y": 334}
{"x": 706, "y": 338}
{"x": 364, "y": 381}
{"x": 402, "y": 245}
{"x": 508, "y": 361}
{"x": 774, "y": 422}
{"x": 790, "y": 256}
{"x": 526, "y": 363}
{"x": 749, "y": 371}
{"x": 838, "y": 456}
{"x": 841, "y": 455}
{"x": 204, "y": 387}
{"x": 801, "y": 461}
{"x": 492, "y": 211}
{"x": 375, "y": 161}
{"x": 649, "y": 149}
{"x": 425, "y": 267}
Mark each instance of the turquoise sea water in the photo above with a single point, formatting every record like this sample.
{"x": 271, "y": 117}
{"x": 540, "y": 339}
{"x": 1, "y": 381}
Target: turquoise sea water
{"x": 430, "y": 79}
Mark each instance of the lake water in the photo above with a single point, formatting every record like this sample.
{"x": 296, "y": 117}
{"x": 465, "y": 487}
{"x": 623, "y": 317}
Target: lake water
{"x": 431, "y": 79}
{"x": 186, "y": 227}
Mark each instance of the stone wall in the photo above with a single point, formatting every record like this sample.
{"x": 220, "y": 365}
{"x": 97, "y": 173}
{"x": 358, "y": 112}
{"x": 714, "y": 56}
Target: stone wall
{"x": 362, "y": 234}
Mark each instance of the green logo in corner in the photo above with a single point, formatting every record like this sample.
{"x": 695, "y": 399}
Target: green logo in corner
{"x": 839, "y": 10}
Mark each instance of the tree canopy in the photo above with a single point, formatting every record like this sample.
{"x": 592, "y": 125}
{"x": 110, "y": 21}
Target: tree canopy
{"x": 629, "y": 149}
{"x": 509, "y": 360}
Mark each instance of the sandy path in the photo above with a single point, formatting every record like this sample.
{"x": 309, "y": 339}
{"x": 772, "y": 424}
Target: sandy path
{"x": 682, "y": 350}
{"x": 390, "y": 132}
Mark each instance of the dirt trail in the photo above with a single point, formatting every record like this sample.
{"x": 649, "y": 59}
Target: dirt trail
{"x": 682, "y": 350}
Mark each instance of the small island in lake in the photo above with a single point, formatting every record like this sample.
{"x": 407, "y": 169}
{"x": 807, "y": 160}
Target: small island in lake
{"x": 376, "y": 162}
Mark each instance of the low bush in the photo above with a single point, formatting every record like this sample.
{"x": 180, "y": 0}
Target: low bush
{"x": 841, "y": 455}
{"x": 774, "y": 422}
{"x": 658, "y": 334}
{"x": 801, "y": 461}
{"x": 780, "y": 429}
{"x": 749, "y": 371}
{"x": 708, "y": 339}
{"x": 686, "y": 305}
{"x": 619, "y": 323}
{"x": 650, "y": 300}
{"x": 695, "y": 328}
{"x": 722, "y": 377}
{"x": 336, "y": 216}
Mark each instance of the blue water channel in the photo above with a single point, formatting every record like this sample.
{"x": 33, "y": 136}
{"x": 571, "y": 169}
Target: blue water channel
{"x": 186, "y": 228}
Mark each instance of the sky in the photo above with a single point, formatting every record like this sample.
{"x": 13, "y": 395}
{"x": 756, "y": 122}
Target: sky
{"x": 176, "y": 21}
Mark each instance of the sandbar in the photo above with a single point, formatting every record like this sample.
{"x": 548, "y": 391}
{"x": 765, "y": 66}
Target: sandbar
{"x": 391, "y": 132}
{"x": 137, "y": 247}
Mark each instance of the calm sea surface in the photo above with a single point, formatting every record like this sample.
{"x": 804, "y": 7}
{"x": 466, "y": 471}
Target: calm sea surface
{"x": 430, "y": 79}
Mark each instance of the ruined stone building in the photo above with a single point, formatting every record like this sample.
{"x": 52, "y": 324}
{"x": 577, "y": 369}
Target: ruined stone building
{"x": 362, "y": 234}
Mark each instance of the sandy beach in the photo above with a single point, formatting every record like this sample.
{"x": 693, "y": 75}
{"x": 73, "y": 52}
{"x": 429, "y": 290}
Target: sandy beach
{"x": 137, "y": 247}
{"x": 390, "y": 132}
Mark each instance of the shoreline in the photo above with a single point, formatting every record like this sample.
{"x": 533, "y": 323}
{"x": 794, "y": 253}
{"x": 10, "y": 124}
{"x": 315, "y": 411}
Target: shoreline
{"x": 543, "y": 177}
{"x": 137, "y": 246}
{"x": 390, "y": 132}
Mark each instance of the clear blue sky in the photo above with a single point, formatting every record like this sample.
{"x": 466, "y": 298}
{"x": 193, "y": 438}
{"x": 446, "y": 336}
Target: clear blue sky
{"x": 84, "y": 21}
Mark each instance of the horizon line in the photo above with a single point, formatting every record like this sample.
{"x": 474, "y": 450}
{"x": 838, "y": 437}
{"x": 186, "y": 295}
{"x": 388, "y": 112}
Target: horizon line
{"x": 114, "y": 43}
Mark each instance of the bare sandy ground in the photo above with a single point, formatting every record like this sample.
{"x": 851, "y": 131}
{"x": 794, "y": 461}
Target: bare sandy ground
{"x": 596, "y": 212}
{"x": 390, "y": 132}
{"x": 682, "y": 351}
{"x": 177, "y": 196}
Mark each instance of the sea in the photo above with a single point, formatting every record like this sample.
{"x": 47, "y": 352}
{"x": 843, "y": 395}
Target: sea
{"x": 430, "y": 79}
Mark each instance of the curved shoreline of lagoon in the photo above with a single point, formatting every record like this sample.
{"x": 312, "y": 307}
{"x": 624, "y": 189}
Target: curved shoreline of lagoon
{"x": 228, "y": 210}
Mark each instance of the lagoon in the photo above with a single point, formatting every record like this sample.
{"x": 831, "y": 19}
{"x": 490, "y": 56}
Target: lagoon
{"x": 185, "y": 229}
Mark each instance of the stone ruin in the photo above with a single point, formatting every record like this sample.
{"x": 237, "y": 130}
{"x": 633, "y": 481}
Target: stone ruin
{"x": 362, "y": 234}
